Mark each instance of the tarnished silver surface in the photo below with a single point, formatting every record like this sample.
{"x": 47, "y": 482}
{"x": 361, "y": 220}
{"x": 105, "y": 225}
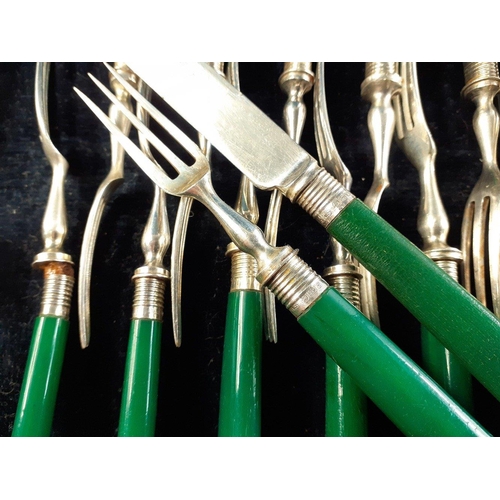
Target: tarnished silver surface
{"x": 415, "y": 140}
{"x": 54, "y": 224}
{"x": 343, "y": 274}
{"x": 56, "y": 295}
{"x": 481, "y": 222}
{"x": 108, "y": 186}
{"x": 296, "y": 80}
{"x": 297, "y": 285}
{"x": 380, "y": 85}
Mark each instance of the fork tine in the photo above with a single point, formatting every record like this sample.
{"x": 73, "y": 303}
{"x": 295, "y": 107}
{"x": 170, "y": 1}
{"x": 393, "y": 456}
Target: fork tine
{"x": 467, "y": 223}
{"x": 494, "y": 255}
{"x": 174, "y": 131}
{"x": 478, "y": 239}
{"x": 155, "y": 173}
{"x": 143, "y": 129}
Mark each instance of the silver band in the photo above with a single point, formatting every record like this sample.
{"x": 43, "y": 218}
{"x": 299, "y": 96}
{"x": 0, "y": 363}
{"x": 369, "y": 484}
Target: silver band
{"x": 243, "y": 270}
{"x": 56, "y": 295}
{"x": 149, "y": 295}
{"x": 296, "y": 285}
{"x": 324, "y": 197}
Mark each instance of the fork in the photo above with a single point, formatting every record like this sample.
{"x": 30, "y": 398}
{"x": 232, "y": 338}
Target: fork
{"x": 391, "y": 379}
{"x": 108, "y": 186}
{"x": 140, "y": 386}
{"x": 40, "y": 384}
{"x": 481, "y": 222}
{"x": 415, "y": 140}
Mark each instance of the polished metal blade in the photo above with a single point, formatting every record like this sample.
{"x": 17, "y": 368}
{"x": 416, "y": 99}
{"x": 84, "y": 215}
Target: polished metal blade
{"x": 230, "y": 121}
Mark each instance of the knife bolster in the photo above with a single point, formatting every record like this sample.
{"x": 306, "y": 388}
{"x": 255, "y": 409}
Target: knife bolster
{"x": 323, "y": 198}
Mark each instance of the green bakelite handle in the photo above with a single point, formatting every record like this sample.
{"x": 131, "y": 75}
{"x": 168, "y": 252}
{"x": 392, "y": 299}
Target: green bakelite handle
{"x": 140, "y": 386}
{"x": 345, "y": 409}
{"x": 239, "y": 413}
{"x": 407, "y": 395}
{"x": 37, "y": 400}
{"x": 445, "y": 308}
{"x": 447, "y": 370}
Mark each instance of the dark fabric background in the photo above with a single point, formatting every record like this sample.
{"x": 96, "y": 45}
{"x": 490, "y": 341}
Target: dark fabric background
{"x": 293, "y": 370}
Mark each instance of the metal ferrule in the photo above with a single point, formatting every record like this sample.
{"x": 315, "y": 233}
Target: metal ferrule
{"x": 243, "y": 270}
{"x": 448, "y": 259}
{"x": 345, "y": 278}
{"x": 380, "y": 76}
{"x": 149, "y": 295}
{"x": 296, "y": 285}
{"x": 324, "y": 197}
{"x": 478, "y": 75}
{"x": 297, "y": 75}
{"x": 56, "y": 295}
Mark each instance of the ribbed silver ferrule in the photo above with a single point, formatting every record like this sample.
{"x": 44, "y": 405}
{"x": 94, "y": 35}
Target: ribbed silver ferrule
{"x": 296, "y": 285}
{"x": 346, "y": 280}
{"x": 448, "y": 259}
{"x": 450, "y": 267}
{"x": 480, "y": 74}
{"x": 379, "y": 69}
{"x": 149, "y": 298}
{"x": 243, "y": 270}
{"x": 56, "y": 295}
{"x": 296, "y": 72}
{"x": 324, "y": 198}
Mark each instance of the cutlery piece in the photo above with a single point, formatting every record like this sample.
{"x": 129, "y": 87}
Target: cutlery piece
{"x": 240, "y": 392}
{"x": 381, "y": 83}
{"x": 270, "y": 159}
{"x": 345, "y": 409}
{"x": 391, "y": 379}
{"x": 415, "y": 140}
{"x": 142, "y": 367}
{"x": 113, "y": 180}
{"x": 296, "y": 80}
{"x": 481, "y": 222}
{"x": 37, "y": 399}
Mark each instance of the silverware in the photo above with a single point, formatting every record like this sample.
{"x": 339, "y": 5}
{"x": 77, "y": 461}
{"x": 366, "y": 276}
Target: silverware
{"x": 380, "y": 85}
{"x": 481, "y": 222}
{"x": 42, "y": 374}
{"x": 338, "y": 327}
{"x": 265, "y": 153}
{"x": 296, "y": 80}
{"x": 415, "y": 140}
{"x": 112, "y": 181}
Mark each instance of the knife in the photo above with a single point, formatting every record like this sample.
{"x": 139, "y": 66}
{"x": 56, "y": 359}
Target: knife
{"x": 270, "y": 159}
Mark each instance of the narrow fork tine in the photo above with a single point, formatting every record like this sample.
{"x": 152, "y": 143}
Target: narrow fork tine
{"x": 467, "y": 223}
{"x": 144, "y": 130}
{"x": 478, "y": 255}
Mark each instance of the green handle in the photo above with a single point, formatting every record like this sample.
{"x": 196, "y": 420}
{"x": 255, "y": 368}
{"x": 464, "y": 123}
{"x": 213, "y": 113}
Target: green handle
{"x": 446, "y": 309}
{"x": 140, "y": 386}
{"x": 345, "y": 409}
{"x": 406, "y": 394}
{"x": 37, "y": 400}
{"x": 447, "y": 370}
{"x": 239, "y": 413}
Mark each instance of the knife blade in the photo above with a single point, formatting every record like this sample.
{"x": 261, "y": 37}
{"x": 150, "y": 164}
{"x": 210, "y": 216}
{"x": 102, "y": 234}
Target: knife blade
{"x": 264, "y": 153}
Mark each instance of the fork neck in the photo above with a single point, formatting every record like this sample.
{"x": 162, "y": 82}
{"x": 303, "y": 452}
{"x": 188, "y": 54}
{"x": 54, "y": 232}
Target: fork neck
{"x": 486, "y": 124}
